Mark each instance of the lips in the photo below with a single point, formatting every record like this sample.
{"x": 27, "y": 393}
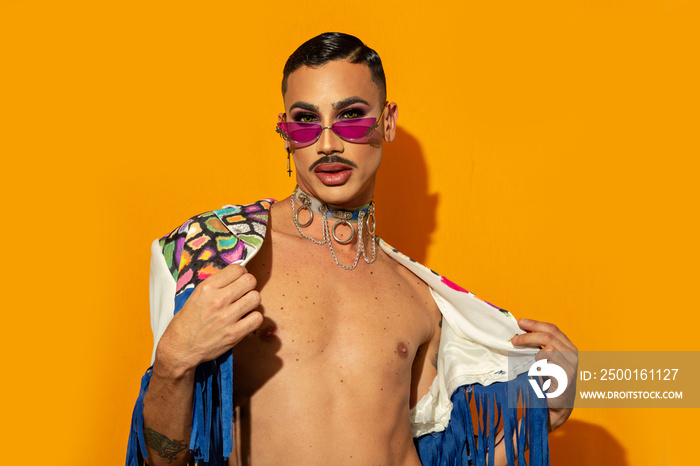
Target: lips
{"x": 332, "y": 174}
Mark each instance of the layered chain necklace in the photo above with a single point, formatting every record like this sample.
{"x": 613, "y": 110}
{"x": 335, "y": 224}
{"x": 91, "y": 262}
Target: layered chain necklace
{"x": 342, "y": 217}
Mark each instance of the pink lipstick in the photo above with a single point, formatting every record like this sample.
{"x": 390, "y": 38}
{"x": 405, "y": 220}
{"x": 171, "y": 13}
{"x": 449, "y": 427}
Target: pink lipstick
{"x": 333, "y": 174}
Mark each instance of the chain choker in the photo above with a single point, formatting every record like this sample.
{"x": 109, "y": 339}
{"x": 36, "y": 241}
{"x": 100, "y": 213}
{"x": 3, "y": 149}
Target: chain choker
{"x": 362, "y": 215}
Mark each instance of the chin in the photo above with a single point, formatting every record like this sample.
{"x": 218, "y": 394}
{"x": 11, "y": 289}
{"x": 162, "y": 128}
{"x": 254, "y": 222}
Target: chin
{"x": 346, "y": 195}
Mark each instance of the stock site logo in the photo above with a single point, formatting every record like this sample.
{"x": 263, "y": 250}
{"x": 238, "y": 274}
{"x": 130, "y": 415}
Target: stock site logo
{"x": 544, "y": 369}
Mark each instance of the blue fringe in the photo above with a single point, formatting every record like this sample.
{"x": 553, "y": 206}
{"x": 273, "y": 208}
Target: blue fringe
{"x": 136, "y": 449}
{"x": 212, "y": 413}
{"x": 458, "y": 444}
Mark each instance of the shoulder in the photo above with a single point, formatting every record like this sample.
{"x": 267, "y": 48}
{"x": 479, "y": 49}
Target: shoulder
{"x": 433, "y": 279}
{"x": 415, "y": 278}
{"x": 210, "y": 241}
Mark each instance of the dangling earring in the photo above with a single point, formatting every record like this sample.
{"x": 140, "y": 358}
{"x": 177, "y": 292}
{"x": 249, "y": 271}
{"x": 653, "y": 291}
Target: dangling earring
{"x": 289, "y": 168}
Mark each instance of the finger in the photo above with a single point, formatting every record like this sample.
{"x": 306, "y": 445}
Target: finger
{"x": 548, "y": 343}
{"x": 538, "y": 340}
{"x": 566, "y": 358}
{"x": 235, "y": 290}
{"x": 244, "y": 327}
{"x": 242, "y": 306}
{"x": 209, "y": 298}
{"x": 226, "y": 276}
{"x": 532, "y": 325}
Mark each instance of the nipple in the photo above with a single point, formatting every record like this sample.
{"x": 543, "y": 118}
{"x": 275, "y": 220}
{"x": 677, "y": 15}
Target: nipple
{"x": 402, "y": 350}
{"x": 268, "y": 332}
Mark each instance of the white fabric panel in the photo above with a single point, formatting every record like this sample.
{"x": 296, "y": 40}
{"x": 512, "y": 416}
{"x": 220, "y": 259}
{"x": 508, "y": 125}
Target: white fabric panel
{"x": 161, "y": 295}
{"x": 474, "y": 347}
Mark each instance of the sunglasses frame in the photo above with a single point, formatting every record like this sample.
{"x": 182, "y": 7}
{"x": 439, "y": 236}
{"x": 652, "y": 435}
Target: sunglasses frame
{"x": 370, "y": 130}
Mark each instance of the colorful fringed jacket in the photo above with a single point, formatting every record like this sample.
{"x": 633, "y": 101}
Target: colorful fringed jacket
{"x": 454, "y": 423}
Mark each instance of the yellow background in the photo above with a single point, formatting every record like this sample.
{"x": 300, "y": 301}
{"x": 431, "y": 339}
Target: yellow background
{"x": 547, "y": 159}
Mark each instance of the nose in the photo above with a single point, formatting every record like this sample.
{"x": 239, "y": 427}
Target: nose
{"x": 329, "y": 142}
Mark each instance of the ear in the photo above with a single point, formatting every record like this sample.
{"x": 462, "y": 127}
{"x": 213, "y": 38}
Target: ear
{"x": 390, "y": 117}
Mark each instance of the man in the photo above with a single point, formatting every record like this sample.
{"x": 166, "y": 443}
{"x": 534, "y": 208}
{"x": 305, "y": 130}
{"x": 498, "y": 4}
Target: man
{"x": 324, "y": 348}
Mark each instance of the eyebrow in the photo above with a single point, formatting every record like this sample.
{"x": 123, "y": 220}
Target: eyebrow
{"x": 336, "y": 106}
{"x": 349, "y": 101}
{"x": 304, "y": 106}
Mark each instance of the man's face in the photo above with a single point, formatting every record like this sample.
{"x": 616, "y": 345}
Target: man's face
{"x": 332, "y": 169}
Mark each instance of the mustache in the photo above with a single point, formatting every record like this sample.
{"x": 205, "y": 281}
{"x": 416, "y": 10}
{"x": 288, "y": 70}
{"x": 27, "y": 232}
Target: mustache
{"x": 332, "y": 159}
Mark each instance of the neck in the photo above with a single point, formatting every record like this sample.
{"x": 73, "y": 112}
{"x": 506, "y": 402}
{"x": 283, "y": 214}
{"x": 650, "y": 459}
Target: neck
{"x": 362, "y": 219}
{"x": 331, "y": 210}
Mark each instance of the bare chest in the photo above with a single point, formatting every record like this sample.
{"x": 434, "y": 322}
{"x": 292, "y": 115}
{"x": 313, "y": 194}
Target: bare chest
{"x": 324, "y": 323}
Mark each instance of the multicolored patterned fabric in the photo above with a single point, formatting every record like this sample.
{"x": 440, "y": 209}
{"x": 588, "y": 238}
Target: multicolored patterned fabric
{"x": 207, "y": 243}
{"x": 199, "y": 248}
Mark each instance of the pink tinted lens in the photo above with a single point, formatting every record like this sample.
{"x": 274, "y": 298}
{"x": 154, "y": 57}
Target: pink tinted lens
{"x": 301, "y": 132}
{"x": 358, "y": 130}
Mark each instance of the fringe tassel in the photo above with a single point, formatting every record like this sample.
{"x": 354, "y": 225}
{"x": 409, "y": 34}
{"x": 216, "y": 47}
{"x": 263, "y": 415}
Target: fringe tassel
{"x": 212, "y": 421}
{"x": 459, "y": 444}
{"x": 226, "y": 392}
{"x": 136, "y": 450}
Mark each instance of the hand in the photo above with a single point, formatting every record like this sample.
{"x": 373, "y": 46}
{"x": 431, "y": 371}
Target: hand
{"x": 558, "y": 349}
{"x": 217, "y": 315}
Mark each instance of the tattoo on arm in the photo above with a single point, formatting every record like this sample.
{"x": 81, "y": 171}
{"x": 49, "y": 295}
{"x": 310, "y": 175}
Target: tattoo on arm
{"x": 165, "y": 447}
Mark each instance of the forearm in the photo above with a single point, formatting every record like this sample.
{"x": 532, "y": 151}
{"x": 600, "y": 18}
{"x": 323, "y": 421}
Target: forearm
{"x": 167, "y": 414}
{"x": 216, "y": 316}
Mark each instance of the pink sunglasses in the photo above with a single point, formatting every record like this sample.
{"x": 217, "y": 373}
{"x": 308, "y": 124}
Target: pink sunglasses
{"x": 358, "y": 130}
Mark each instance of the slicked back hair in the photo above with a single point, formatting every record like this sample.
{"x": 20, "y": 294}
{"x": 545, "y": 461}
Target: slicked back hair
{"x": 332, "y": 46}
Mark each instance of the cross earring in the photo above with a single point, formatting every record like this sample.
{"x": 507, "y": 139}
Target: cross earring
{"x": 289, "y": 167}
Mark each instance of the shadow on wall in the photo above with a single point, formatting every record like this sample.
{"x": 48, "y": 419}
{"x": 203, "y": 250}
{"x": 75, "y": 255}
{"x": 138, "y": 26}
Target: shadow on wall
{"x": 406, "y": 217}
{"x": 579, "y": 443}
{"x": 406, "y": 212}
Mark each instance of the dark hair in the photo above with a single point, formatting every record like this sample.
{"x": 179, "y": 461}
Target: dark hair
{"x": 331, "y": 46}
